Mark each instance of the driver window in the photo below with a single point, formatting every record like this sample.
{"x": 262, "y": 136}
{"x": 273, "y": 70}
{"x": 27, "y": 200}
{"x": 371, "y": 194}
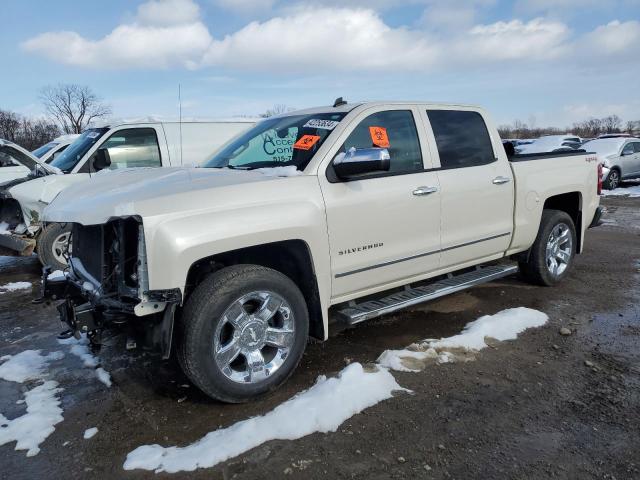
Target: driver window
{"x": 394, "y": 130}
{"x": 134, "y": 147}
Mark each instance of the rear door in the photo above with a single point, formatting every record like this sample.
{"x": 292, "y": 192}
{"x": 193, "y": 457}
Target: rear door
{"x": 476, "y": 187}
{"x": 384, "y": 227}
{"x": 635, "y": 164}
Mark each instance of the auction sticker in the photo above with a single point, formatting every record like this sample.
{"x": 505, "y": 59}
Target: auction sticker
{"x": 379, "y": 137}
{"x": 323, "y": 124}
{"x": 306, "y": 142}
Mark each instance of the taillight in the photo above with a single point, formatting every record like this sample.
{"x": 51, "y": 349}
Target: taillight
{"x": 599, "y": 179}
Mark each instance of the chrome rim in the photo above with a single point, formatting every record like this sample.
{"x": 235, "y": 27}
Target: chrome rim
{"x": 61, "y": 248}
{"x": 614, "y": 180}
{"x": 559, "y": 249}
{"x": 254, "y": 337}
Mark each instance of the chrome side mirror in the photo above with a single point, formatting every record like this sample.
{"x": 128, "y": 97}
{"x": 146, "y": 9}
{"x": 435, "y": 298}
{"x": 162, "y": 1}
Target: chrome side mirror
{"x": 358, "y": 161}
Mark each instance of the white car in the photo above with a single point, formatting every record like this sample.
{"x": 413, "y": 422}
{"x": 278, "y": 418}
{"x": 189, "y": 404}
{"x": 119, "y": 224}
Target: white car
{"x": 123, "y": 146}
{"x": 16, "y": 162}
{"x": 619, "y": 156}
{"x": 551, "y": 143}
{"x": 55, "y": 147}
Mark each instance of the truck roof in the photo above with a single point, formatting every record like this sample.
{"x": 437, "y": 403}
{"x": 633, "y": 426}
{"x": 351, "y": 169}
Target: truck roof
{"x": 347, "y": 107}
{"x": 151, "y": 121}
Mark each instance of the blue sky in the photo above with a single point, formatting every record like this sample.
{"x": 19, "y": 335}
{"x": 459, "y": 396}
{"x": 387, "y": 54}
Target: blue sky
{"x": 541, "y": 61}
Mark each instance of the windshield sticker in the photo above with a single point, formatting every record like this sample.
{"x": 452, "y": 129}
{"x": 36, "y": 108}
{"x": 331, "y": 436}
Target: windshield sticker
{"x": 93, "y": 135}
{"x": 306, "y": 142}
{"x": 379, "y": 137}
{"x": 323, "y": 124}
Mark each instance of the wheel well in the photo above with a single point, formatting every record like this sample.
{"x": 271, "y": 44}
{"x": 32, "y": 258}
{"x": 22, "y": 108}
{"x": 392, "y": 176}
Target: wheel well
{"x": 571, "y": 203}
{"x": 290, "y": 257}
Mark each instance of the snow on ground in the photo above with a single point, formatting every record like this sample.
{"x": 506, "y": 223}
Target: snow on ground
{"x": 504, "y": 325}
{"x": 43, "y": 409}
{"x": 89, "y": 433}
{"x": 4, "y": 228}
{"x": 326, "y": 405}
{"x": 623, "y": 192}
{"x": 13, "y": 286}
{"x": 288, "y": 171}
{"x": 322, "y": 408}
{"x": 27, "y": 365}
{"x": 55, "y": 275}
{"x": 80, "y": 348}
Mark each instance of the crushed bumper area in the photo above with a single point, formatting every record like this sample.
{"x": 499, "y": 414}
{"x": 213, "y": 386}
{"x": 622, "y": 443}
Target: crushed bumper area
{"x": 16, "y": 245}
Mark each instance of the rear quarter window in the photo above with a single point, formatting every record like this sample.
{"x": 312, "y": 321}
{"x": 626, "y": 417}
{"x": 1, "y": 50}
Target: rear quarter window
{"x": 462, "y": 138}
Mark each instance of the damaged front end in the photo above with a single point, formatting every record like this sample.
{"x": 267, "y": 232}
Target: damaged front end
{"x": 106, "y": 286}
{"x": 16, "y": 239}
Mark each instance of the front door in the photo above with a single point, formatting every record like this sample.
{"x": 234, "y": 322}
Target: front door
{"x": 383, "y": 227}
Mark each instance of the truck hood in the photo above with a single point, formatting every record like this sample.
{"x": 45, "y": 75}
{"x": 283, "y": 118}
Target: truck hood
{"x": 147, "y": 192}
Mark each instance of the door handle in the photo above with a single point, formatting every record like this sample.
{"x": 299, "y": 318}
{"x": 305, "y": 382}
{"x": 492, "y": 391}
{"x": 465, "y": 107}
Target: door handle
{"x": 501, "y": 180}
{"x": 420, "y": 191}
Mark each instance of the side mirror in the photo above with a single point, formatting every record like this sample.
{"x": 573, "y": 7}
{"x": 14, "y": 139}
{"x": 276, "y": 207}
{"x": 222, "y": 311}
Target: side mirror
{"x": 358, "y": 161}
{"x": 100, "y": 159}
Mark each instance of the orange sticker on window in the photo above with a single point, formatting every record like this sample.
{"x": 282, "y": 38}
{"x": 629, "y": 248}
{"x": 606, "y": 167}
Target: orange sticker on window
{"x": 379, "y": 137}
{"x": 306, "y": 142}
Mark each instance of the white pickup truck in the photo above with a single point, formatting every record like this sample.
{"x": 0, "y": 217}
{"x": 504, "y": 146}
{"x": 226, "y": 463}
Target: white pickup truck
{"x": 339, "y": 213}
{"x": 126, "y": 145}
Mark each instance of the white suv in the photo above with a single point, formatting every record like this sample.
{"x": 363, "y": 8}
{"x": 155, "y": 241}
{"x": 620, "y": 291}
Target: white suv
{"x": 620, "y": 158}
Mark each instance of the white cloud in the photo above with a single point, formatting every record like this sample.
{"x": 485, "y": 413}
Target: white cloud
{"x": 246, "y": 7}
{"x": 614, "y": 38}
{"x": 168, "y": 12}
{"x": 165, "y": 33}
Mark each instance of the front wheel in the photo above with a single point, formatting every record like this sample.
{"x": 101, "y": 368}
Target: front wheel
{"x": 613, "y": 180}
{"x": 54, "y": 245}
{"x": 551, "y": 255}
{"x": 243, "y": 332}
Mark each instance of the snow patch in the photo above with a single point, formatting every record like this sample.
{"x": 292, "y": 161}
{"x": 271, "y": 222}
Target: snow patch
{"x": 33, "y": 428}
{"x": 89, "y": 433}
{"x": 622, "y": 192}
{"x": 80, "y": 348}
{"x": 4, "y": 228}
{"x": 27, "y": 365}
{"x": 288, "y": 171}
{"x": 322, "y": 408}
{"x": 504, "y": 325}
{"x": 56, "y": 275}
{"x": 13, "y": 286}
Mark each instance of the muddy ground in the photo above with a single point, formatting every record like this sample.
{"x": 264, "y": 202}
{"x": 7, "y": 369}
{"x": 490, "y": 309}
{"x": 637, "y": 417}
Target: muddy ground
{"x": 543, "y": 406}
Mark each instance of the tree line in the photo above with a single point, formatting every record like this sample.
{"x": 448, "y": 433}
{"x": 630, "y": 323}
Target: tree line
{"x": 70, "y": 109}
{"x": 590, "y": 128}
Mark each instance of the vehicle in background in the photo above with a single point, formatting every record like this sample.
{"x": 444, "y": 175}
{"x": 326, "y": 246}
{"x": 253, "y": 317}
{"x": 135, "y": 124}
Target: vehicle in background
{"x": 129, "y": 145}
{"x": 17, "y": 163}
{"x": 368, "y": 208}
{"x": 55, "y": 147}
{"x": 551, "y": 143}
{"x": 615, "y": 135}
{"x": 619, "y": 156}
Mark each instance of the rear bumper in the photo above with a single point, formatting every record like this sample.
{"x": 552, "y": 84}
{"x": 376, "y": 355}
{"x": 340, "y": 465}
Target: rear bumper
{"x": 17, "y": 245}
{"x": 597, "y": 218}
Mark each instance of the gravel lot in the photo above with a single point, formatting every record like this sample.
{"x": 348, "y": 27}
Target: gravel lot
{"x": 542, "y": 406}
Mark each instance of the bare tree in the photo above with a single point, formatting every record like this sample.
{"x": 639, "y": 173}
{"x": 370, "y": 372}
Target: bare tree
{"x": 611, "y": 124}
{"x": 72, "y": 106}
{"x": 276, "y": 110}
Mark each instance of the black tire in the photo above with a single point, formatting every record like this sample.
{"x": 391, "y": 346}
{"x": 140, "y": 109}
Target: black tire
{"x": 48, "y": 247}
{"x": 536, "y": 269}
{"x": 204, "y": 310}
{"x": 613, "y": 180}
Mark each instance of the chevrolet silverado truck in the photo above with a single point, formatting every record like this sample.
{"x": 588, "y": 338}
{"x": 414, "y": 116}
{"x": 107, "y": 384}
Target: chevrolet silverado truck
{"x": 309, "y": 220}
{"x": 126, "y": 145}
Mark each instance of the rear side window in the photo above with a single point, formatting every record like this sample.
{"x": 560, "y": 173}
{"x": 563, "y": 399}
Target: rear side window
{"x": 462, "y": 138}
{"x": 394, "y": 130}
{"x": 636, "y": 147}
{"x": 134, "y": 147}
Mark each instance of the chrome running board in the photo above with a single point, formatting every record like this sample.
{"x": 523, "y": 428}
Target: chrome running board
{"x": 359, "y": 312}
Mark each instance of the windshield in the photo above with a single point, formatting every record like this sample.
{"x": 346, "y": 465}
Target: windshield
{"x": 603, "y": 147}
{"x": 39, "y": 152}
{"x": 74, "y": 152}
{"x": 277, "y": 142}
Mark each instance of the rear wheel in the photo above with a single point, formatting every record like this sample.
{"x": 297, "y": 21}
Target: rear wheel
{"x": 54, "y": 245}
{"x": 244, "y": 330}
{"x": 551, "y": 255}
{"x": 613, "y": 180}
